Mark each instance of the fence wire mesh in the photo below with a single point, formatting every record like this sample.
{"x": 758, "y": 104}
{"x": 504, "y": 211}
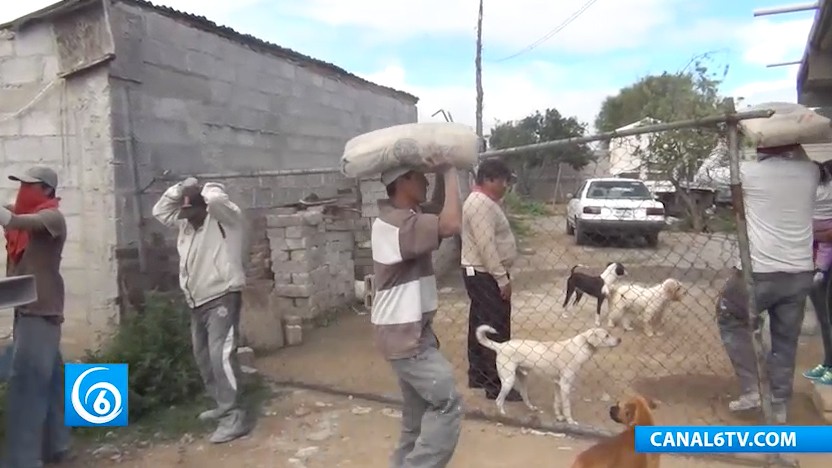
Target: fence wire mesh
{"x": 611, "y": 294}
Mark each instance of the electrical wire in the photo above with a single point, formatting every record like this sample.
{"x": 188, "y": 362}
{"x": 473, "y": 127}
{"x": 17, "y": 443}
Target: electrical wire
{"x": 551, "y": 33}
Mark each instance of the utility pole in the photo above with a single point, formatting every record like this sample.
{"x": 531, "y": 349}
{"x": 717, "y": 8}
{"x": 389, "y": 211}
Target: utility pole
{"x": 478, "y": 64}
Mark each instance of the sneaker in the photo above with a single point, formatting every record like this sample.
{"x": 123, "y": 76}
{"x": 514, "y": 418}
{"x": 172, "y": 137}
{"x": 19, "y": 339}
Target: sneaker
{"x": 779, "y": 412}
{"x": 210, "y": 415}
{"x": 826, "y": 378}
{"x": 745, "y": 402}
{"x": 231, "y": 427}
{"x": 817, "y": 372}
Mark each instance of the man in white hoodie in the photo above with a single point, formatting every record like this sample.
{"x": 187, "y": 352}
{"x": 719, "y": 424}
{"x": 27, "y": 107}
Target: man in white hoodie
{"x": 211, "y": 276}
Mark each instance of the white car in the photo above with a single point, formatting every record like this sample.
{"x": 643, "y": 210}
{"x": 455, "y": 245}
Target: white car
{"x": 614, "y": 207}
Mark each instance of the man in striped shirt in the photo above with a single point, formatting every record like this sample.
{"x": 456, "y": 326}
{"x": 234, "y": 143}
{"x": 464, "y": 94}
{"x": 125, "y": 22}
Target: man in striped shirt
{"x": 404, "y": 237}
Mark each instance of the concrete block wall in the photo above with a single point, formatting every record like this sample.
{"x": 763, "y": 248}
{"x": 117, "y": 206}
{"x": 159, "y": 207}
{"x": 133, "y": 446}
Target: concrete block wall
{"x": 312, "y": 260}
{"x": 197, "y": 102}
{"x": 64, "y": 124}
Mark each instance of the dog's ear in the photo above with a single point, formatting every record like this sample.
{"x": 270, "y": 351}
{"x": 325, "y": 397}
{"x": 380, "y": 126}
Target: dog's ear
{"x": 630, "y": 410}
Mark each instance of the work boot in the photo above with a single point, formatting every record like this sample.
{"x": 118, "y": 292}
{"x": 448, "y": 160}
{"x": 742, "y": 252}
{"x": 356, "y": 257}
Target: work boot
{"x": 745, "y": 402}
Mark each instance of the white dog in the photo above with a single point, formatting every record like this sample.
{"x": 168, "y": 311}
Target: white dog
{"x": 647, "y": 303}
{"x": 561, "y": 361}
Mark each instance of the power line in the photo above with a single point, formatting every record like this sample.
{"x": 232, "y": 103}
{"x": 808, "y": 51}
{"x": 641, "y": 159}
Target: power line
{"x": 551, "y": 33}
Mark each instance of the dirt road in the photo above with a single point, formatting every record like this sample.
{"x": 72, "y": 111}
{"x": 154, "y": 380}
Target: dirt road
{"x": 304, "y": 429}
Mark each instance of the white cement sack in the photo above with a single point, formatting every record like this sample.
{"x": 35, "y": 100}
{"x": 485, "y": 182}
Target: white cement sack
{"x": 791, "y": 124}
{"x": 409, "y": 145}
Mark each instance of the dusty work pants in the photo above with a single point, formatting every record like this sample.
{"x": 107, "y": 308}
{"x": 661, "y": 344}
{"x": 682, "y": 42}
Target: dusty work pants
{"x": 431, "y": 411}
{"x": 35, "y": 430}
{"x": 215, "y": 333}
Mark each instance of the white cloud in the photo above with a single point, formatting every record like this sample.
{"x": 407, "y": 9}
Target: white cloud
{"x": 765, "y": 42}
{"x": 507, "y": 25}
{"x": 783, "y": 89}
{"x": 508, "y": 95}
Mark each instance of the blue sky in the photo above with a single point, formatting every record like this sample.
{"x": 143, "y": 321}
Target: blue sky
{"x": 426, "y": 47}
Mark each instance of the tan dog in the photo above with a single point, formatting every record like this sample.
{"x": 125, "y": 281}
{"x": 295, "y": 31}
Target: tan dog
{"x": 620, "y": 451}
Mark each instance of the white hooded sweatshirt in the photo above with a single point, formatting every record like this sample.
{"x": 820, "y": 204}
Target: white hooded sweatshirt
{"x": 211, "y": 257}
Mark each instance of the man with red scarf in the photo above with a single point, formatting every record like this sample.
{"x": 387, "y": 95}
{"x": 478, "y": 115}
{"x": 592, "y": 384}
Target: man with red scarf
{"x": 35, "y": 232}
{"x": 488, "y": 251}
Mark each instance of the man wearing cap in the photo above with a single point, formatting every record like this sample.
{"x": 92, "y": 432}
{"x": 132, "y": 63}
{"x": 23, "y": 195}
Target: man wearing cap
{"x": 779, "y": 190}
{"x": 211, "y": 275}
{"x": 403, "y": 239}
{"x": 35, "y": 232}
{"x": 488, "y": 251}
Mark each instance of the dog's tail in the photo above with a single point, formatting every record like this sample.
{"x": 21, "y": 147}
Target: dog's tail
{"x": 483, "y": 338}
{"x": 572, "y": 271}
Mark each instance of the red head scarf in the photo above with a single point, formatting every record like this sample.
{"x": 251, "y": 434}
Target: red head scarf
{"x": 30, "y": 199}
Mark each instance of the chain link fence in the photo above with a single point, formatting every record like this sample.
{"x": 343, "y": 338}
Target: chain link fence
{"x": 609, "y": 296}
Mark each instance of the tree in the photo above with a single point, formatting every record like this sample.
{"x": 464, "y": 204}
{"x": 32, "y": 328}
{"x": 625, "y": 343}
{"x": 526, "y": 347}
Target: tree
{"x": 537, "y": 128}
{"x": 677, "y": 155}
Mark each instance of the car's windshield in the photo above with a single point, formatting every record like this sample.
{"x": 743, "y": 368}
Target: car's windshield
{"x": 618, "y": 189}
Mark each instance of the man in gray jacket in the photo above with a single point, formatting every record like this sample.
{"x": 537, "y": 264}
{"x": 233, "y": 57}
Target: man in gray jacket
{"x": 211, "y": 276}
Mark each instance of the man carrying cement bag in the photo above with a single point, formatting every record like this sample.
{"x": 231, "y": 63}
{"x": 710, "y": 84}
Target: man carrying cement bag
{"x": 403, "y": 239}
{"x": 779, "y": 190}
{"x": 416, "y": 145}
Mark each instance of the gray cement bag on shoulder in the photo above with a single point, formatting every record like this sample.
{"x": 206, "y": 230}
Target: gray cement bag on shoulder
{"x": 372, "y": 153}
{"x": 791, "y": 124}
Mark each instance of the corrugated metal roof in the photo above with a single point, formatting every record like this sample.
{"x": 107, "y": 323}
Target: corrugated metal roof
{"x": 200, "y": 22}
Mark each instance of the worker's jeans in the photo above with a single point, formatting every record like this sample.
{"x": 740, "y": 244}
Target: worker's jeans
{"x": 35, "y": 430}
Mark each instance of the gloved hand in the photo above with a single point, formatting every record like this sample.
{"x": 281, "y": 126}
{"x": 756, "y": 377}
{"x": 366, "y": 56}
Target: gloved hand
{"x": 818, "y": 278}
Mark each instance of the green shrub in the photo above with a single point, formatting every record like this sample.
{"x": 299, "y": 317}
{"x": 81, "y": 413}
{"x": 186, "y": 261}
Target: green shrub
{"x": 156, "y": 345}
{"x": 517, "y": 205}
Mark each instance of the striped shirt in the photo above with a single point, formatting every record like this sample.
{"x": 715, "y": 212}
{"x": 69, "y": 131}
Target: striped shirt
{"x": 406, "y": 297}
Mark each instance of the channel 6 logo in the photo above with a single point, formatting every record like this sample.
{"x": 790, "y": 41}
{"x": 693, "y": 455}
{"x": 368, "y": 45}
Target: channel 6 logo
{"x": 95, "y": 395}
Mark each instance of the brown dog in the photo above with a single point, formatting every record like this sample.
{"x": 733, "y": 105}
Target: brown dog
{"x": 619, "y": 451}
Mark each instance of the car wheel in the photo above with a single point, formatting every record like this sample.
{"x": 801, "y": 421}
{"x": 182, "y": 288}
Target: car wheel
{"x": 580, "y": 236}
{"x": 570, "y": 230}
{"x": 652, "y": 239}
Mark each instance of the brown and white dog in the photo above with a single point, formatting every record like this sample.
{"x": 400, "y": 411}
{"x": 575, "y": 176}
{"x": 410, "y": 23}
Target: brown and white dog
{"x": 620, "y": 451}
{"x": 647, "y": 303}
{"x": 560, "y": 361}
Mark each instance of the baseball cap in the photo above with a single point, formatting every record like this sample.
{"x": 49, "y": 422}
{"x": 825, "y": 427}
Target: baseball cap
{"x": 37, "y": 174}
{"x": 390, "y": 175}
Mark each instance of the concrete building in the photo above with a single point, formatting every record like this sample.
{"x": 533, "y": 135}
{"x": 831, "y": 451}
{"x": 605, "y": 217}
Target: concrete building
{"x": 122, "y": 97}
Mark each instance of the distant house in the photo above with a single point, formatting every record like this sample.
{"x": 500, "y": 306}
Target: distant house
{"x": 122, "y": 96}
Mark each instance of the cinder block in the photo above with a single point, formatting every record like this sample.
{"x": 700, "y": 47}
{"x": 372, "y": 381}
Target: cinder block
{"x": 293, "y": 290}
{"x": 273, "y": 232}
{"x": 283, "y": 220}
{"x": 35, "y": 41}
{"x": 822, "y": 397}
{"x": 21, "y": 70}
{"x": 290, "y": 266}
{"x": 298, "y": 232}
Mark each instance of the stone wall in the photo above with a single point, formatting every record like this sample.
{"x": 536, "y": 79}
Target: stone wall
{"x": 64, "y": 123}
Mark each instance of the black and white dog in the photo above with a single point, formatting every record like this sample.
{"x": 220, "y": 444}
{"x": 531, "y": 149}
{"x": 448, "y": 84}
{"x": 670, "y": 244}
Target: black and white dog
{"x": 596, "y": 286}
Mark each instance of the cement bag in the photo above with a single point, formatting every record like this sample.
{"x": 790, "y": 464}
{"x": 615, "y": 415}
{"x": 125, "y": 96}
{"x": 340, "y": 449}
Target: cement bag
{"x": 409, "y": 145}
{"x": 791, "y": 124}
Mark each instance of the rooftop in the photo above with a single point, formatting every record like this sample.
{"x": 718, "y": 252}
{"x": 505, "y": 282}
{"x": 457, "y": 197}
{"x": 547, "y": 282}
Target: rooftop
{"x": 815, "y": 76}
{"x": 202, "y": 23}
